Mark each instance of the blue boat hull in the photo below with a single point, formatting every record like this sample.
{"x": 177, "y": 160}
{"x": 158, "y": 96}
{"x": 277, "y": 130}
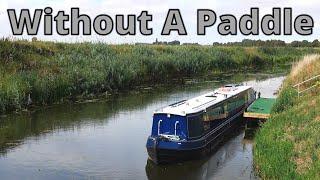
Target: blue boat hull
{"x": 163, "y": 151}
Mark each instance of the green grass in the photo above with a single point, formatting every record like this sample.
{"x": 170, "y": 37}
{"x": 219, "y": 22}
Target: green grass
{"x": 55, "y": 72}
{"x": 288, "y": 144}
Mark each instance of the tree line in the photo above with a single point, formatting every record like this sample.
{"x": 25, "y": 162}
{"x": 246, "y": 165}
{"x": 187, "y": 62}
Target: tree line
{"x": 271, "y": 43}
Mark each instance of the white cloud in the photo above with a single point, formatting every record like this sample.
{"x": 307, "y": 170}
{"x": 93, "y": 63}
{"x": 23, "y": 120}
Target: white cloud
{"x": 159, "y": 8}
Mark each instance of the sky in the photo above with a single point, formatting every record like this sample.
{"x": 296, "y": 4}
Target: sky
{"x": 159, "y": 9}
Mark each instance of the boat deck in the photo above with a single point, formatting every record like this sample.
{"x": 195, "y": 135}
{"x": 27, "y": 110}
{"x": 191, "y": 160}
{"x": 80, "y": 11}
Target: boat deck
{"x": 260, "y": 108}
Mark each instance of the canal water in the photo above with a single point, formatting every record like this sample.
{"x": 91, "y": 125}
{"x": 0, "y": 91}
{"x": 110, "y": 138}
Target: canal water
{"x": 106, "y": 139}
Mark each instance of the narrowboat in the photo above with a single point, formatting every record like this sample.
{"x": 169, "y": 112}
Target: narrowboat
{"x": 190, "y": 129}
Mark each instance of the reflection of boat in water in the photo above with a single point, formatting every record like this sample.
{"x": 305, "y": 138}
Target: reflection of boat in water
{"x": 214, "y": 166}
{"x": 190, "y": 129}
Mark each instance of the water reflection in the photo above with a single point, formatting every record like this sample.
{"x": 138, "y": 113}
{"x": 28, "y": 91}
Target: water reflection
{"x": 235, "y": 149}
{"x": 106, "y": 139}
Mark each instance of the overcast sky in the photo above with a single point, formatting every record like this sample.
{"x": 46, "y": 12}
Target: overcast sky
{"x": 159, "y": 8}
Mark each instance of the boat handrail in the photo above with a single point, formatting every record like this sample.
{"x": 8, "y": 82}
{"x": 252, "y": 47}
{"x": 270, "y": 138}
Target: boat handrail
{"x": 175, "y": 127}
{"x": 178, "y": 103}
{"x": 171, "y": 105}
{"x": 159, "y": 123}
{"x": 203, "y": 104}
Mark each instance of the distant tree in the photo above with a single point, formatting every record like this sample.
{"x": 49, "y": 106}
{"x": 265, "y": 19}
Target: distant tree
{"x": 174, "y": 42}
{"x": 315, "y": 43}
{"x": 295, "y": 44}
{"x": 216, "y": 44}
{"x": 305, "y": 43}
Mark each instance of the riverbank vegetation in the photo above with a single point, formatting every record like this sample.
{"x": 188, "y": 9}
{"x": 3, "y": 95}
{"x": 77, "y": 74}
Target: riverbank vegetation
{"x": 40, "y": 73}
{"x": 288, "y": 144}
{"x": 270, "y": 43}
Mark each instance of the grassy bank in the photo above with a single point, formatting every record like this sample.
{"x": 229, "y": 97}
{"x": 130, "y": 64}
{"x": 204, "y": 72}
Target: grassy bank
{"x": 288, "y": 145}
{"x": 47, "y": 72}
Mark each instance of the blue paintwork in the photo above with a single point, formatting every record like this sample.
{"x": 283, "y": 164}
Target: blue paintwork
{"x": 185, "y": 143}
{"x": 168, "y": 124}
{"x": 181, "y": 145}
{"x": 156, "y": 142}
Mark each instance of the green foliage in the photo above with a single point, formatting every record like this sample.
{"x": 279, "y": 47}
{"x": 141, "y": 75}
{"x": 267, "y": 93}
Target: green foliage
{"x": 272, "y": 153}
{"x": 53, "y": 72}
{"x": 285, "y": 100}
{"x": 13, "y": 92}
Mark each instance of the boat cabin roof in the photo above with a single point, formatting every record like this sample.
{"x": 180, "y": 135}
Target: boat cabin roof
{"x": 202, "y": 102}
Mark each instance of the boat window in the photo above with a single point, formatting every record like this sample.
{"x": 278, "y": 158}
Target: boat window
{"x": 235, "y": 103}
{"x": 216, "y": 111}
{"x": 195, "y": 126}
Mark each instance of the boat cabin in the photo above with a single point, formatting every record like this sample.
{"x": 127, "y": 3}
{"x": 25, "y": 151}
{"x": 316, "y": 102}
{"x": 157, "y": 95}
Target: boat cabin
{"x": 191, "y": 119}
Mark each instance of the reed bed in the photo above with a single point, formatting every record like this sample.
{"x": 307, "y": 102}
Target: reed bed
{"x": 40, "y": 73}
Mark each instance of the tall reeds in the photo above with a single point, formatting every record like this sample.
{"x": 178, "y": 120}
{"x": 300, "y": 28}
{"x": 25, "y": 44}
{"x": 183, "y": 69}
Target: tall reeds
{"x": 48, "y": 72}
